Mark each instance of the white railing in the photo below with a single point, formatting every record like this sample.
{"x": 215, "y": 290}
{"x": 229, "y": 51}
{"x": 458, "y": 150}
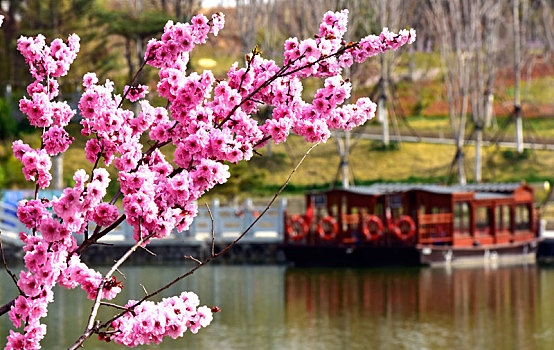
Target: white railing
{"x": 10, "y": 225}
{"x": 228, "y": 224}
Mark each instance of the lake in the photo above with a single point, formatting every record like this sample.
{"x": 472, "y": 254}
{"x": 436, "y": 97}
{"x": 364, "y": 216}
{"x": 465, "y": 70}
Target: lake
{"x": 274, "y": 307}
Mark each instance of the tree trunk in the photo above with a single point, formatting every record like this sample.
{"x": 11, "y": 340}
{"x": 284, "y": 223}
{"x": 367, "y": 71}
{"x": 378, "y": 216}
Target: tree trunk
{"x": 463, "y": 116}
{"x": 344, "y": 160}
{"x": 129, "y": 58}
{"x": 517, "y": 76}
{"x": 460, "y": 164}
{"x": 343, "y": 145}
{"x": 382, "y": 103}
{"x": 178, "y": 10}
{"x": 478, "y": 157}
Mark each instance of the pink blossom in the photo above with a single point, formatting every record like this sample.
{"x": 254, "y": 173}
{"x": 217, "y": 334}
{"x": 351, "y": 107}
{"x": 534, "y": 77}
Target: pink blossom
{"x": 31, "y": 212}
{"x": 105, "y": 214}
{"x": 134, "y": 93}
{"x": 56, "y": 140}
{"x": 89, "y": 80}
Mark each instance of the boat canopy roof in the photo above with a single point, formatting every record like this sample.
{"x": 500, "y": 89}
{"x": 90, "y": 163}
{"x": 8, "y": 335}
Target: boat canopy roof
{"x": 487, "y": 190}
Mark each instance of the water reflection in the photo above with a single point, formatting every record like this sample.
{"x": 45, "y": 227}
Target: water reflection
{"x": 509, "y": 308}
{"x": 270, "y": 307}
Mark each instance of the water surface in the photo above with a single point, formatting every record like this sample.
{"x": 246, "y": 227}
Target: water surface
{"x": 272, "y": 307}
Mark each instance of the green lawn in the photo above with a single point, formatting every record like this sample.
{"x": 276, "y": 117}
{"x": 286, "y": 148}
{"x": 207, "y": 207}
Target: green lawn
{"x": 412, "y": 162}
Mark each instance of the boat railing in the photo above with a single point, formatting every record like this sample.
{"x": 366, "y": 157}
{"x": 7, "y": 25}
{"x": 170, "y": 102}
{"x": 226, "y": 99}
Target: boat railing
{"x": 351, "y": 219}
{"x": 435, "y": 228}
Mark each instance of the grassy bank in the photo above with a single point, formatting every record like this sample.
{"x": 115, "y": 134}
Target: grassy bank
{"x": 369, "y": 163}
{"x": 409, "y": 162}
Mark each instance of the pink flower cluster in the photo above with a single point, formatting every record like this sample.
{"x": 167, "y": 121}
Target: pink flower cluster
{"x": 30, "y": 339}
{"x": 209, "y": 123}
{"x": 30, "y": 213}
{"x": 179, "y": 39}
{"x": 150, "y": 322}
{"x": 45, "y": 62}
{"x": 135, "y": 93}
{"x": 48, "y": 61}
{"x": 36, "y": 163}
{"x": 76, "y": 273}
{"x": 84, "y": 202}
{"x": 372, "y": 45}
{"x": 44, "y": 263}
{"x": 48, "y": 265}
{"x": 41, "y": 110}
{"x": 46, "y": 256}
{"x": 56, "y": 140}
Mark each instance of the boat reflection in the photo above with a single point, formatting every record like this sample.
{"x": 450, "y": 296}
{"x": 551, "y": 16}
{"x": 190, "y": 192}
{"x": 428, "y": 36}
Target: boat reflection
{"x": 506, "y": 308}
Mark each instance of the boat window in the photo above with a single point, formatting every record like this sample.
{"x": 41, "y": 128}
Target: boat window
{"x": 502, "y": 214}
{"x": 439, "y": 210}
{"x": 461, "y": 217}
{"x": 397, "y": 212}
{"x": 482, "y": 219}
{"x": 379, "y": 209}
{"x": 334, "y": 207}
{"x": 522, "y": 217}
{"x": 344, "y": 210}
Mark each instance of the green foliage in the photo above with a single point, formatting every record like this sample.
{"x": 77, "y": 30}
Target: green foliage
{"x": 250, "y": 178}
{"x": 419, "y": 107}
{"x": 10, "y": 170}
{"x": 379, "y": 146}
{"x": 244, "y": 179}
{"x": 146, "y": 24}
{"x": 8, "y": 125}
{"x": 512, "y": 155}
{"x": 535, "y": 91}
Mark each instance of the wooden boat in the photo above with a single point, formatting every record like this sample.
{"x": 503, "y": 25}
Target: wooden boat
{"x": 407, "y": 224}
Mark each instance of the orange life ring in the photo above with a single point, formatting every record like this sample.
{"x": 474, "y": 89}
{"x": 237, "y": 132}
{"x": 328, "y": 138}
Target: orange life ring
{"x": 294, "y": 234}
{"x": 366, "y": 224}
{"x": 397, "y": 230}
{"x": 327, "y": 236}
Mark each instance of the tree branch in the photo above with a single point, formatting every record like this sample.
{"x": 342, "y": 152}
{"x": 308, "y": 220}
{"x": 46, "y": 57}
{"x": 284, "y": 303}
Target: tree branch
{"x": 12, "y": 275}
{"x": 283, "y": 73}
{"x": 212, "y": 256}
{"x": 92, "y": 326}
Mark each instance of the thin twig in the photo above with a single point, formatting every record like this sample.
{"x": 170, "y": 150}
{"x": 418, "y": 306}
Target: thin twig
{"x": 248, "y": 65}
{"x": 213, "y": 228}
{"x": 115, "y": 306}
{"x": 12, "y": 275}
{"x": 98, "y": 234}
{"x": 134, "y": 80}
{"x": 190, "y": 257}
{"x": 121, "y": 273}
{"x": 269, "y": 205}
{"x": 105, "y": 244}
{"x": 143, "y": 288}
{"x": 149, "y": 251}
